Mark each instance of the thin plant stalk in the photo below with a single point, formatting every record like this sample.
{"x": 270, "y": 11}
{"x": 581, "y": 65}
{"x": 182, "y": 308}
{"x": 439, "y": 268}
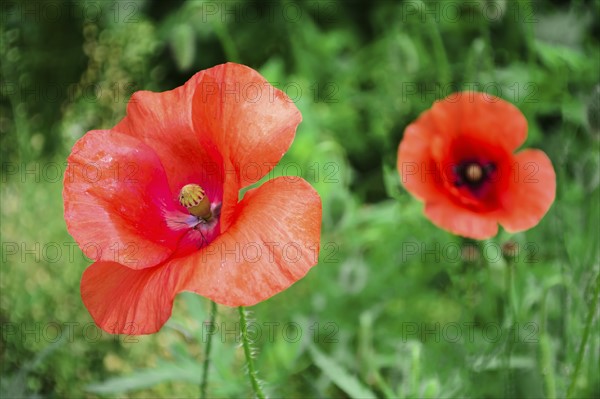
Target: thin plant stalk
{"x": 510, "y": 316}
{"x": 248, "y": 352}
{"x": 584, "y": 339}
{"x": 546, "y": 363}
{"x": 204, "y": 382}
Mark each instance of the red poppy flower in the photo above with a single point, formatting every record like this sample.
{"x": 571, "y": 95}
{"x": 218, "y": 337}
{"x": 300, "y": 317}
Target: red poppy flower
{"x": 457, "y": 157}
{"x": 155, "y": 201}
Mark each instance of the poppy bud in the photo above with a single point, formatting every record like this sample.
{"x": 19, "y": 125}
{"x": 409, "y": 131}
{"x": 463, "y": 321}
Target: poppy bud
{"x": 510, "y": 249}
{"x": 194, "y": 198}
{"x": 470, "y": 253}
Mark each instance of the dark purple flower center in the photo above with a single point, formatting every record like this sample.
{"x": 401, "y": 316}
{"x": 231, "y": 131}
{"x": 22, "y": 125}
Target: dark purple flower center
{"x": 473, "y": 175}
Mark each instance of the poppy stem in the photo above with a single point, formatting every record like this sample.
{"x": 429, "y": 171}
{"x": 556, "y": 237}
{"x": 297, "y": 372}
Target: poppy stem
{"x": 584, "y": 339}
{"x": 510, "y": 316}
{"x": 546, "y": 359}
{"x": 441, "y": 57}
{"x": 203, "y": 383}
{"x": 512, "y": 308}
{"x": 248, "y": 352}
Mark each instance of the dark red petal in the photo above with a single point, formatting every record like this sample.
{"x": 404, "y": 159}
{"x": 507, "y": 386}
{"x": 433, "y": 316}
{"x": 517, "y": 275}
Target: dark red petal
{"x": 251, "y": 123}
{"x": 126, "y": 301}
{"x": 460, "y": 220}
{"x": 480, "y": 114}
{"x": 272, "y": 242}
{"x": 164, "y": 122}
{"x": 531, "y": 191}
{"x": 115, "y": 195}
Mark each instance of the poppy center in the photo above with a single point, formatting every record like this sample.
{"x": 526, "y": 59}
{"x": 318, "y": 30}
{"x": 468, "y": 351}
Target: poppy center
{"x": 473, "y": 174}
{"x": 194, "y": 199}
{"x": 201, "y": 224}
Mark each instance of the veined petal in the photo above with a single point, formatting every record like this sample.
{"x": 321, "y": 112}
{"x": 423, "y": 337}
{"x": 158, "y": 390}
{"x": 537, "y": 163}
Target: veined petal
{"x": 272, "y": 242}
{"x": 163, "y": 121}
{"x": 126, "y": 301}
{"x": 115, "y": 196}
{"x": 251, "y": 124}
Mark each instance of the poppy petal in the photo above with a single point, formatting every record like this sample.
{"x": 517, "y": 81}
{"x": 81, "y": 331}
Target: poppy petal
{"x": 164, "y": 122}
{"x": 481, "y": 114}
{"x": 459, "y": 220}
{"x": 272, "y": 242}
{"x": 530, "y": 193}
{"x": 115, "y": 195}
{"x": 126, "y": 301}
{"x": 251, "y": 123}
{"x": 417, "y": 168}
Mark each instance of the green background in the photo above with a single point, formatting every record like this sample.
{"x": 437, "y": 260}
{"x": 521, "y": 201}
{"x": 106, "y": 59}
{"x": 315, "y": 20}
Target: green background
{"x": 396, "y": 307}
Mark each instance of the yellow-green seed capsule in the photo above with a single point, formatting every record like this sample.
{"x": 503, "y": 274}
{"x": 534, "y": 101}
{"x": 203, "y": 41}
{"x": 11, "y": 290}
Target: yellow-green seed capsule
{"x": 194, "y": 198}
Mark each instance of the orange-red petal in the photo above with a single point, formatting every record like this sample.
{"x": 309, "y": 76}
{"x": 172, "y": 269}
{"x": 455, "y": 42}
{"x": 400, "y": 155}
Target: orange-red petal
{"x": 418, "y": 169}
{"x": 126, "y": 301}
{"x": 251, "y": 123}
{"x": 115, "y": 195}
{"x": 531, "y": 191}
{"x": 163, "y": 121}
{"x": 491, "y": 118}
{"x": 460, "y": 220}
{"x": 272, "y": 242}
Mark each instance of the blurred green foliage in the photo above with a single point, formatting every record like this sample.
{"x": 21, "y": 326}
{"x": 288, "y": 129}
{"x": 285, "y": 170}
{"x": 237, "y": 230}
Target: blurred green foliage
{"x": 379, "y": 316}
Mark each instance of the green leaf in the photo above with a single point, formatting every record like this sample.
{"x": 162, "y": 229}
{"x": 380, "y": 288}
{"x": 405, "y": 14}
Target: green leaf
{"x": 183, "y": 43}
{"x": 339, "y": 375}
{"x": 554, "y": 56}
{"x": 391, "y": 179}
{"x": 148, "y": 378}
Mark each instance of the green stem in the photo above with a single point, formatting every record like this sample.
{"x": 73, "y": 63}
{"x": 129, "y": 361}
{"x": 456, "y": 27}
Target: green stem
{"x": 511, "y": 293}
{"x": 547, "y": 366}
{"x": 510, "y": 316}
{"x": 213, "y": 315}
{"x": 529, "y": 18}
{"x": 584, "y": 339}
{"x": 441, "y": 56}
{"x": 546, "y": 361}
{"x": 248, "y": 352}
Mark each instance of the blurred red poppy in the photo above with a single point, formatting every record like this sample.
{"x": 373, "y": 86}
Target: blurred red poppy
{"x": 457, "y": 157}
{"x": 155, "y": 201}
